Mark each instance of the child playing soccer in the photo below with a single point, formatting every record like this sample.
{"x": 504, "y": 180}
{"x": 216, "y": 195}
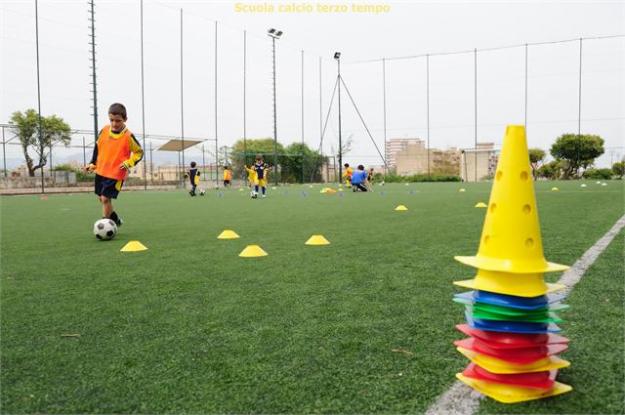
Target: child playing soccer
{"x": 251, "y": 177}
{"x": 347, "y": 174}
{"x": 359, "y": 180}
{"x": 194, "y": 178}
{"x": 227, "y": 177}
{"x": 115, "y": 153}
{"x": 261, "y": 169}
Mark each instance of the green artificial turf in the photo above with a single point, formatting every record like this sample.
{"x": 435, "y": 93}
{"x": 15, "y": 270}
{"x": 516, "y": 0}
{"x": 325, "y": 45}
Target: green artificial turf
{"x": 363, "y": 325}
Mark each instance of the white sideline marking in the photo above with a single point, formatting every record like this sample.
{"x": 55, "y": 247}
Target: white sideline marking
{"x": 463, "y": 400}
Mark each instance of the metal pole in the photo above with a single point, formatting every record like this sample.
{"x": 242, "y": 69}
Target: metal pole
{"x": 93, "y": 74}
{"x": 427, "y": 106}
{"x": 4, "y": 153}
{"x": 526, "y": 66}
{"x": 320, "y": 105}
{"x": 43, "y": 190}
{"x": 182, "y": 96}
{"x": 384, "y": 103}
{"x": 145, "y": 180}
{"x": 151, "y": 163}
{"x": 303, "y": 158}
{"x": 216, "y": 139}
{"x": 579, "y": 102}
{"x": 203, "y": 161}
{"x": 244, "y": 97}
{"x": 84, "y": 151}
{"x": 338, "y": 61}
{"x": 475, "y": 105}
{"x": 275, "y": 114}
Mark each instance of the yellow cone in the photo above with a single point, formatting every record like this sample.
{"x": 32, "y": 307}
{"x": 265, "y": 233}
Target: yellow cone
{"x": 462, "y": 189}
{"x": 228, "y": 234}
{"x": 512, "y": 394}
{"x": 134, "y": 246}
{"x": 555, "y": 189}
{"x": 481, "y": 205}
{"x": 521, "y": 285}
{"x": 317, "y": 240}
{"x": 511, "y": 240}
{"x": 252, "y": 251}
{"x": 401, "y": 207}
{"x": 494, "y": 365}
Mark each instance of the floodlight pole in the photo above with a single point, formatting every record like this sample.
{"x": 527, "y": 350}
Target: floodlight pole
{"x": 182, "y": 96}
{"x": 337, "y": 56}
{"x": 244, "y": 98}
{"x": 43, "y": 190}
{"x": 93, "y": 73}
{"x": 274, "y": 35}
{"x": 145, "y": 177}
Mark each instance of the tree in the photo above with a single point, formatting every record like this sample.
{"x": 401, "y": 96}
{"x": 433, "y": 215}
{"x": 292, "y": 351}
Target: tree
{"x": 53, "y": 130}
{"x": 537, "y": 157}
{"x": 552, "y": 170}
{"x": 300, "y": 163}
{"x": 618, "y": 169}
{"x": 263, "y": 146}
{"x": 225, "y": 156}
{"x": 580, "y": 151}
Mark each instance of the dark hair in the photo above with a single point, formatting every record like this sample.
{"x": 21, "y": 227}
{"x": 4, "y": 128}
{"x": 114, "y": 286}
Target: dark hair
{"x": 259, "y": 156}
{"x": 193, "y": 164}
{"x": 226, "y": 167}
{"x": 118, "y": 109}
{"x": 361, "y": 167}
{"x": 346, "y": 165}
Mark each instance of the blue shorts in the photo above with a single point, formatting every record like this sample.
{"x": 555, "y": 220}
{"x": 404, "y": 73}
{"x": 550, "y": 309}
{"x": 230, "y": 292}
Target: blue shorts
{"x": 107, "y": 187}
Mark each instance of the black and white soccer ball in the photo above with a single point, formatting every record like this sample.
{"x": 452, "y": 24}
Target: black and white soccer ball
{"x": 105, "y": 229}
{"x": 202, "y": 192}
{"x": 253, "y": 194}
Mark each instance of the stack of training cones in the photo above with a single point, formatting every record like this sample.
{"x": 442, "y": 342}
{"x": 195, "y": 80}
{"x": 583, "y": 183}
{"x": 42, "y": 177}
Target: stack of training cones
{"x": 510, "y": 316}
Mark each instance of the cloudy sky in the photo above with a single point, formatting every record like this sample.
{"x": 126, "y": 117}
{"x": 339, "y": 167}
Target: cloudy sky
{"x": 397, "y": 32}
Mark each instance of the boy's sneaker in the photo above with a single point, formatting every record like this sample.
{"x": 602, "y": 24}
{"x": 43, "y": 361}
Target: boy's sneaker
{"x": 115, "y": 218}
{"x": 264, "y": 196}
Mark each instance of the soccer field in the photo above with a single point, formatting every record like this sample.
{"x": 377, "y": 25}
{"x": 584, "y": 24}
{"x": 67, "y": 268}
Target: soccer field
{"x": 363, "y": 325}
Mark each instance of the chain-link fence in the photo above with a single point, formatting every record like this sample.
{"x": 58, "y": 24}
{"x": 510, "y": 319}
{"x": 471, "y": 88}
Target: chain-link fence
{"x": 186, "y": 75}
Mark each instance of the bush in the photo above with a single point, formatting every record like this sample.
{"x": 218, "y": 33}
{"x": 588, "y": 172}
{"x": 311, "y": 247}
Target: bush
{"x": 600, "y": 174}
{"x": 395, "y": 178}
{"x": 81, "y": 175}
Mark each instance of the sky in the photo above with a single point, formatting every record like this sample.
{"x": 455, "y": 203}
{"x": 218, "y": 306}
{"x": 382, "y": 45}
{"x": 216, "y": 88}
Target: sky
{"x": 383, "y": 65}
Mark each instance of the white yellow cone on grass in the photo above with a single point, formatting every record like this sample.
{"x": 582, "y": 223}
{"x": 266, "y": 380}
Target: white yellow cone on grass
{"x": 134, "y": 246}
{"x": 480, "y": 205}
{"x": 253, "y": 251}
{"x": 462, "y": 189}
{"x": 317, "y": 240}
{"x": 401, "y": 208}
{"x": 583, "y": 185}
{"x": 228, "y": 234}
{"x": 555, "y": 189}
